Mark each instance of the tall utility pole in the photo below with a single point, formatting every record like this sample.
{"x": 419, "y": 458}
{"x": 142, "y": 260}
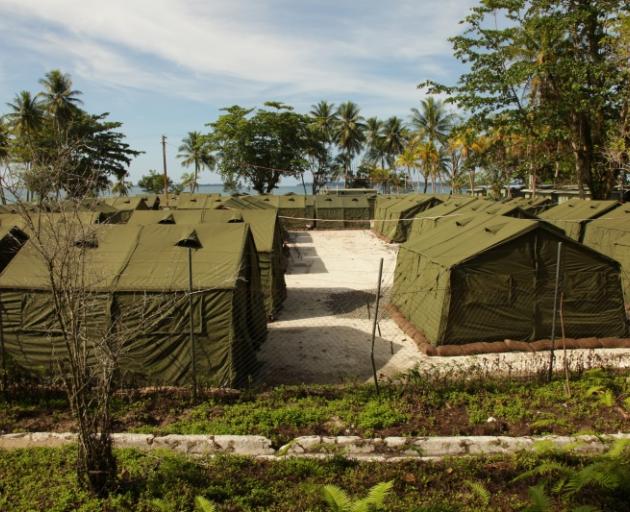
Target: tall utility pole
{"x": 164, "y": 166}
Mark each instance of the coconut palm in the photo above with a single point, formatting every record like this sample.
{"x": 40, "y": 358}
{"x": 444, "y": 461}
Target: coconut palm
{"x": 349, "y": 134}
{"x": 324, "y": 120}
{"x": 323, "y": 123}
{"x": 26, "y": 116}
{"x": 394, "y": 138}
{"x": 59, "y": 98}
{"x": 195, "y": 151}
{"x": 122, "y": 187}
{"x": 374, "y": 141}
{"x": 432, "y": 122}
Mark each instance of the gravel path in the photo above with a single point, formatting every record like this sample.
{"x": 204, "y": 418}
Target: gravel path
{"x": 323, "y": 333}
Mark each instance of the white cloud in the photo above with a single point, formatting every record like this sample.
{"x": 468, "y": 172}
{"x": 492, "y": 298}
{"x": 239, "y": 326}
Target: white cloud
{"x": 241, "y": 48}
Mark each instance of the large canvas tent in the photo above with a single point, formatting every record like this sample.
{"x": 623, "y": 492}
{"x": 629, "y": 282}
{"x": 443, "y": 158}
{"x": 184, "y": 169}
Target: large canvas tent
{"x": 138, "y": 278}
{"x": 533, "y": 205}
{"x": 356, "y": 212}
{"x": 399, "y": 216}
{"x": 485, "y": 278}
{"x": 573, "y": 215}
{"x": 267, "y": 236}
{"x": 610, "y": 235}
{"x": 428, "y": 219}
{"x": 126, "y": 206}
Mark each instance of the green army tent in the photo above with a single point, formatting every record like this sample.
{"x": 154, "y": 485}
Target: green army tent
{"x": 138, "y": 278}
{"x": 12, "y": 239}
{"x": 428, "y": 219}
{"x": 471, "y": 280}
{"x": 610, "y": 235}
{"x": 533, "y": 205}
{"x": 356, "y": 212}
{"x": 28, "y": 221}
{"x": 190, "y": 201}
{"x": 126, "y": 206}
{"x": 400, "y": 215}
{"x": 168, "y": 201}
{"x": 381, "y": 205}
{"x": 292, "y": 210}
{"x": 573, "y": 215}
{"x": 265, "y": 229}
{"x": 329, "y": 212}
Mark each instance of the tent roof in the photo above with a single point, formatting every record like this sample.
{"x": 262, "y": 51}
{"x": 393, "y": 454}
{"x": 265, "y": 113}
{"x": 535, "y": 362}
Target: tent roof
{"x": 127, "y": 203}
{"x": 350, "y": 201}
{"x": 578, "y": 210}
{"x": 457, "y": 240}
{"x": 621, "y": 212}
{"x": 263, "y": 223}
{"x": 142, "y": 258}
{"x": 158, "y": 263}
{"x": 105, "y": 259}
{"x": 447, "y": 207}
{"x": 408, "y": 202}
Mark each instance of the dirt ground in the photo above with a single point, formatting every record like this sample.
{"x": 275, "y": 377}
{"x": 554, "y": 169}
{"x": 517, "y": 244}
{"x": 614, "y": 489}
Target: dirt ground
{"x": 323, "y": 333}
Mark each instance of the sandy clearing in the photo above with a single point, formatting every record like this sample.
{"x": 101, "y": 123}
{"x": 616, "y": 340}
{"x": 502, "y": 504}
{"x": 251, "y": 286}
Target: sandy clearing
{"x": 323, "y": 333}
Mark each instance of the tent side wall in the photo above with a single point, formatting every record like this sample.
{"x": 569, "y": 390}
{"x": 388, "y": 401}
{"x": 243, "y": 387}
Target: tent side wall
{"x": 508, "y": 292}
{"x": 612, "y": 238}
{"x": 421, "y": 291}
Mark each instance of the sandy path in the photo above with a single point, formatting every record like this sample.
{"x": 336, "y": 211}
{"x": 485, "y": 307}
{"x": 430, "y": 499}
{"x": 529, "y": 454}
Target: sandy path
{"x": 323, "y": 333}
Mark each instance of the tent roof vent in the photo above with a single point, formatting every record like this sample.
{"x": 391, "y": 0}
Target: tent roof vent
{"x": 191, "y": 241}
{"x": 88, "y": 241}
{"x": 493, "y": 230}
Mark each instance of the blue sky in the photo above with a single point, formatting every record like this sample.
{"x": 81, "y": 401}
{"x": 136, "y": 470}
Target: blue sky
{"x": 168, "y": 66}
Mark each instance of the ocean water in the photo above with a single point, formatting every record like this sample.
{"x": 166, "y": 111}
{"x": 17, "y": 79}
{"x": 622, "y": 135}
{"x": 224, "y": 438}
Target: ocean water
{"x": 215, "y": 188}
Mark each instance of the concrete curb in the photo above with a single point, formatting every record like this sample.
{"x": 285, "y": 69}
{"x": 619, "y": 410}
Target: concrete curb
{"x": 319, "y": 447}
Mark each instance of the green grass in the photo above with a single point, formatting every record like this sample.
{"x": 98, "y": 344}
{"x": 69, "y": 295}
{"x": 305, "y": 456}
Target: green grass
{"x": 598, "y": 402}
{"x": 43, "y": 479}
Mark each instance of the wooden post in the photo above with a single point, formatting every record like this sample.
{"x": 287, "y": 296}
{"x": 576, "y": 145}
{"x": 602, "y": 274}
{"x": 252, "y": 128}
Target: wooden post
{"x": 374, "y": 323}
{"x": 193, "y": 357}
{"x": 555, "y": 312}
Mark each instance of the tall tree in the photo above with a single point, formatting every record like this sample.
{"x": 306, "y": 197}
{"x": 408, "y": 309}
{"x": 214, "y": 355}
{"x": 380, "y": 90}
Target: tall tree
{"x": 59, "y": 98}
{"x": 375, "y": 148}
{"x": 323, "y": 122}
{"x": 431, "y": 121}
{"x": 195, "y": 151}
{"x": 26, "y": 116}
{"x": 394, "y": 136}
{"x": 261, "y": 145}
{"x": 350, "y": 135}
{"x": 545, "y": 67}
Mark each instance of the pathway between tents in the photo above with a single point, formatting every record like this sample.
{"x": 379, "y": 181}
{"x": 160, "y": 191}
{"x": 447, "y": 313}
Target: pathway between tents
{"x": 323, "y": 333}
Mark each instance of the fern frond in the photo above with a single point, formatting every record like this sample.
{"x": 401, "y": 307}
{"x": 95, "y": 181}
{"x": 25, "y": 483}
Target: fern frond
{"x": 540, "y": 502}
{"x": 204, "y": 505}
{"x": 337, "y": 499}
{"x": 545, "y": 469}
{"x": 479, "y": 490}
{"x": 597, "y": 474}
{"x": 618, "y": 448}
{"x": 376, "y": 495}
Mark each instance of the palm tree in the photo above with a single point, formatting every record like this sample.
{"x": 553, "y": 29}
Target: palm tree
{"x": 394, "y": 138}
{"x": 4, "y": 153}
{"x": 59, "y": 98}
{"x": 432, "y": 122}
{"x": 188, "y": 181}
{"x": 374, "y": 141}
{"x": 324, "y": 120}
{"x": 26, "y": 116}
{"x": 122, "y": 187}
{"x": 349, "y": 134}
{"x": 195, "y": 151}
